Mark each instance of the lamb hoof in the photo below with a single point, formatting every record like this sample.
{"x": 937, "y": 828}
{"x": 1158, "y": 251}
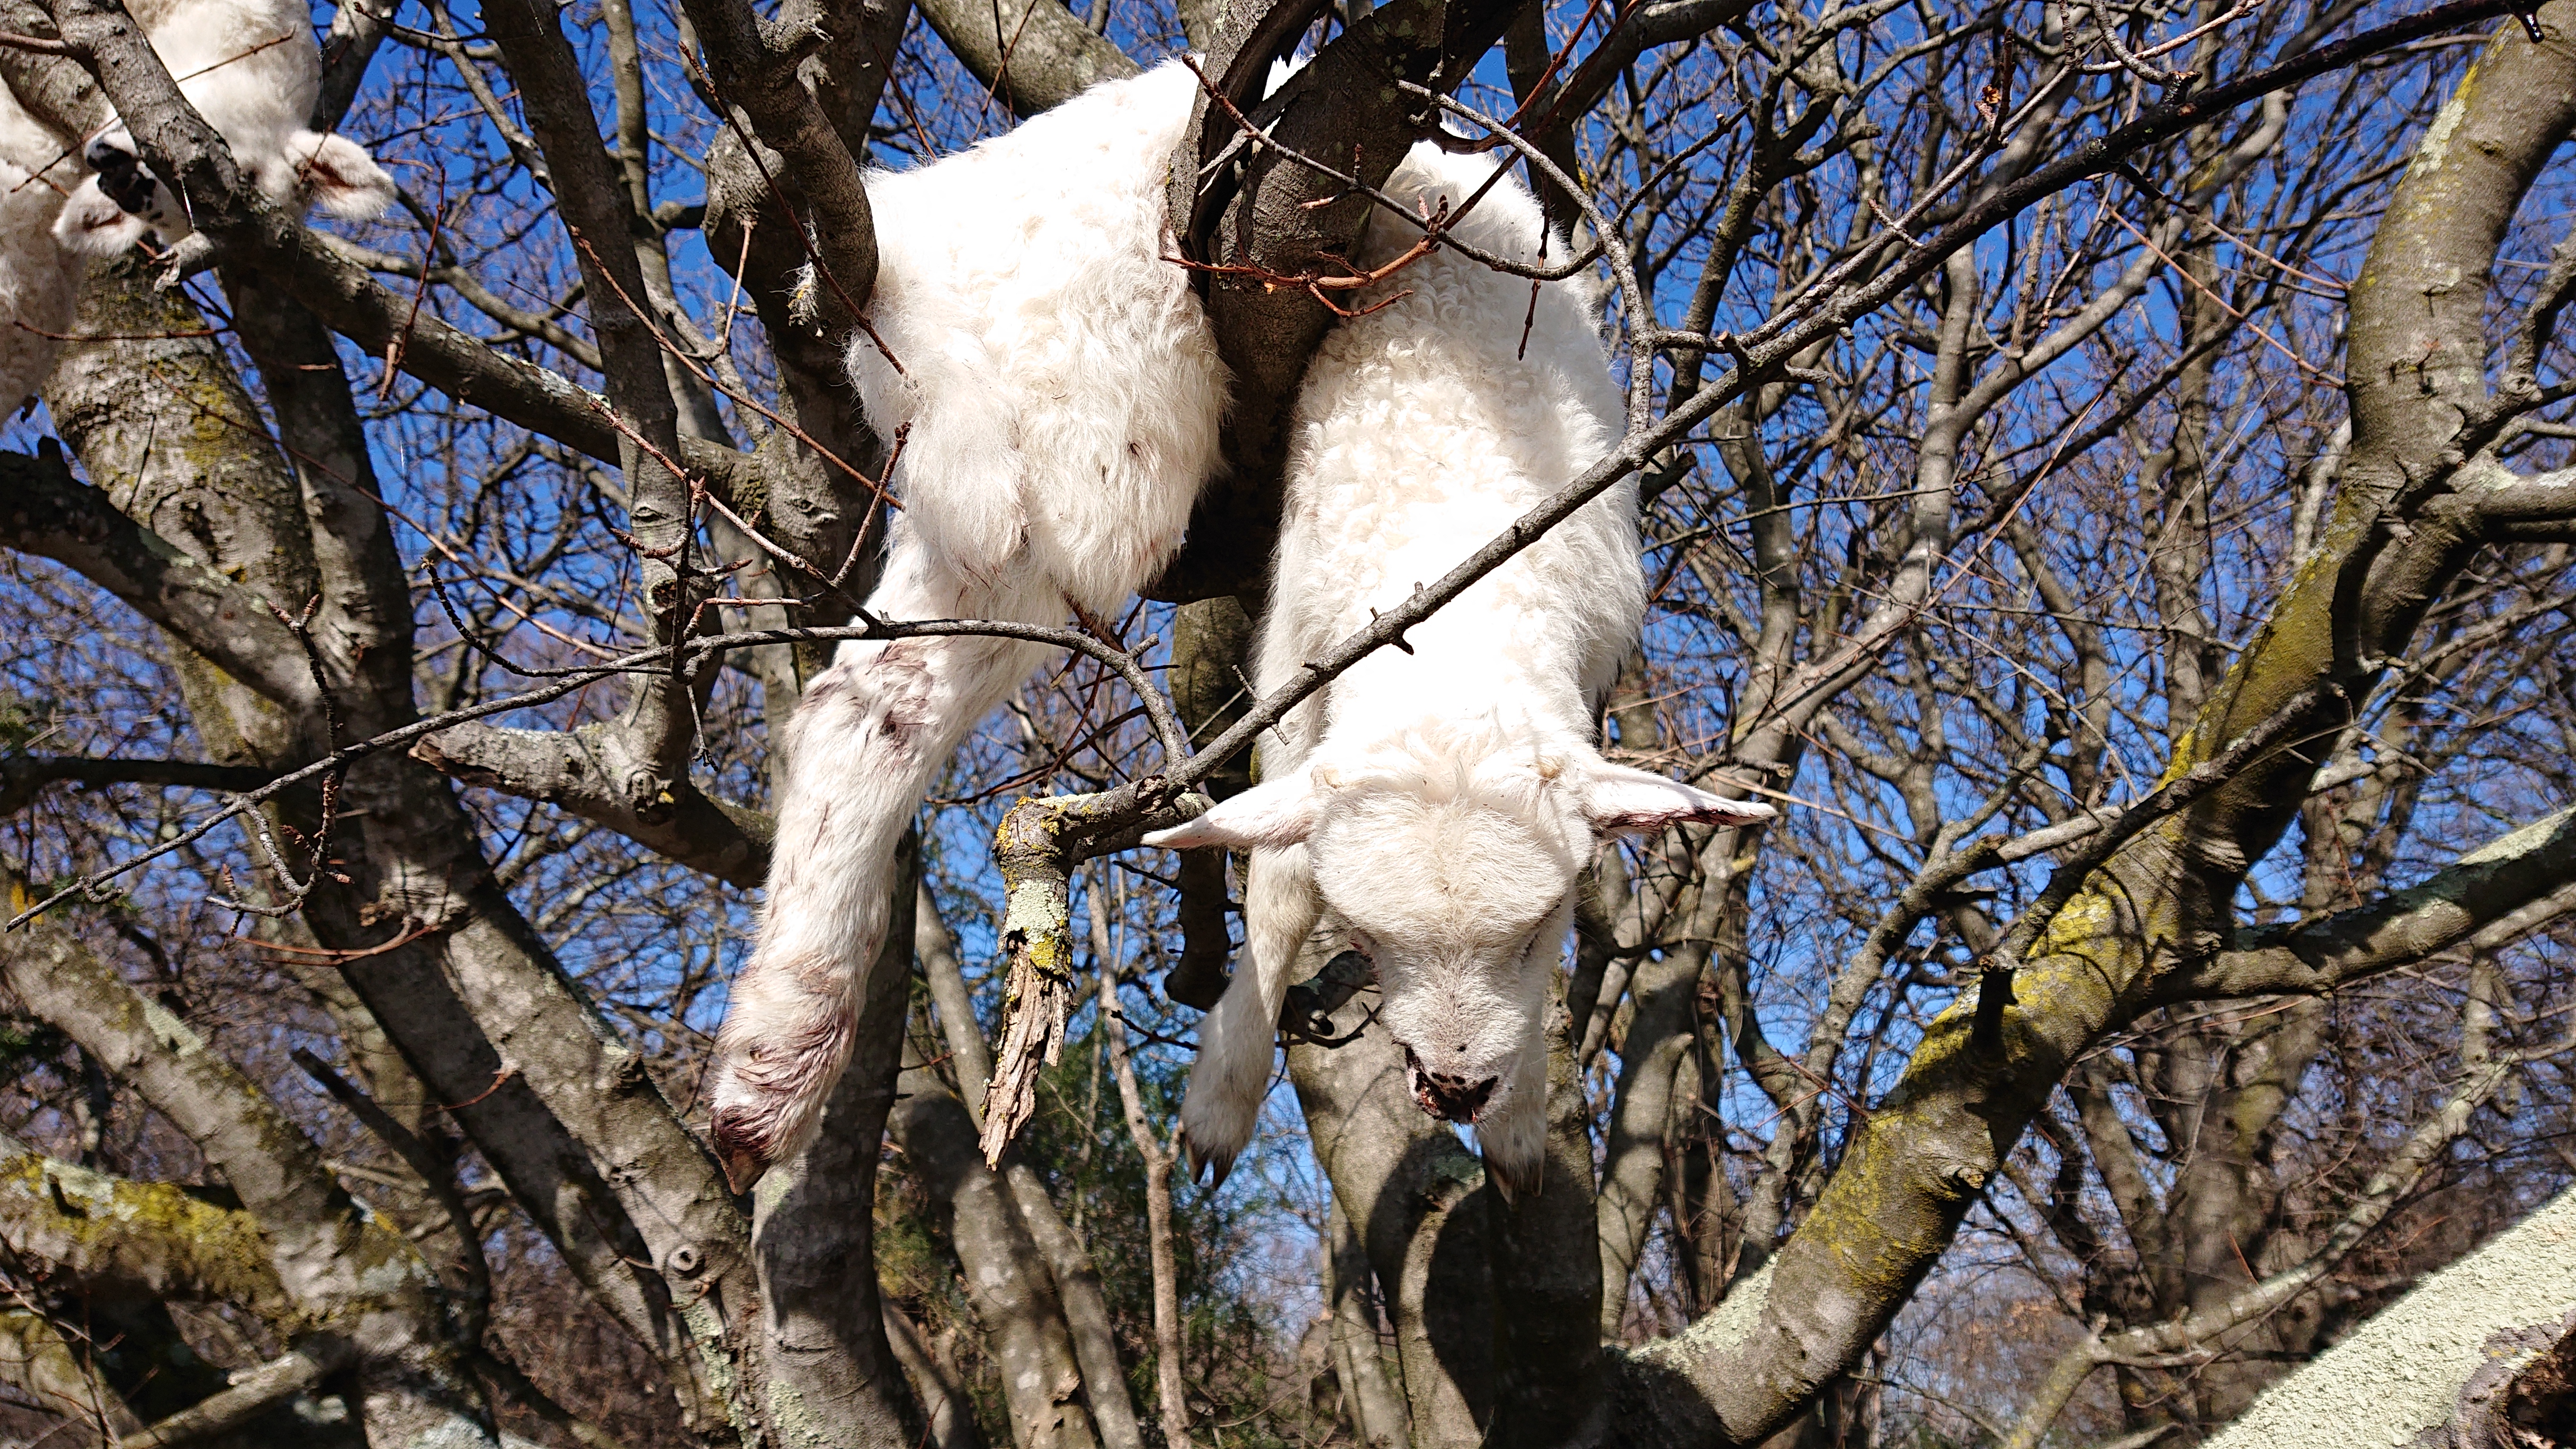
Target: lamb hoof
{"x": 1513, "y": 1182}
{"x": 1205, "y": 1164}
{"x": 738, "y": 1151}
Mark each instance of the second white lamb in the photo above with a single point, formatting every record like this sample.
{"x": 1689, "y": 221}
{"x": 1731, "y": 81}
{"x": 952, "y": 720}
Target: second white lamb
{"x": 1440, "y": 803}
{"x": 1062, "y": 395}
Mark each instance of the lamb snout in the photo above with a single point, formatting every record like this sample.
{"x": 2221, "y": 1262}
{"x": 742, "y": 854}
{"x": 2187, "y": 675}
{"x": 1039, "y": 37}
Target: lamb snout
{"x": 121, "y": 175}
{"x": 1450, "y": 1098}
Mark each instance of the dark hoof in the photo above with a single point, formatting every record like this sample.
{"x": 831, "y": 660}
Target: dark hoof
{"x": 1209, "y": 1167}
{"x": 739, "y": 1152}
{"x": 1514, "y": 1186}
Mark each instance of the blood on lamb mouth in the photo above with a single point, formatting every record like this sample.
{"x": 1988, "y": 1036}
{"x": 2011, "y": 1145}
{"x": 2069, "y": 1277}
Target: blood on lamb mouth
{"x": 1450, "y": 1099}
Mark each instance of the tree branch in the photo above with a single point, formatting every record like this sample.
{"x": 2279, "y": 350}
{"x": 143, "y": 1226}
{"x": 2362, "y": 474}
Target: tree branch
{"x": 1035, "y": 55}
{"x": 50, "y": 513}
{"x": 2163, "y": 902}
{"x": 595, "y": 771}
{"x": 2511, "y": 885}
{"x": 24, "y": 777}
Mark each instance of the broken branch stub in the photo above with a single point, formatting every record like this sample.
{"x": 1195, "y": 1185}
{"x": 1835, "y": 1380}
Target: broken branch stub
{"x": 1040, "y": 841}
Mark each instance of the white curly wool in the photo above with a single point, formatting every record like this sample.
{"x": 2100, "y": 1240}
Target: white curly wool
{"x": 1063, "y": 396}
{"x": 249, "y": 67}
{"x": 1440, "y": 802}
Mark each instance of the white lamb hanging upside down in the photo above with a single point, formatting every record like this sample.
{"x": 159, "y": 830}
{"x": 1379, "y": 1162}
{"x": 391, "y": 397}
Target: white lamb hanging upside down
{"x": 1063, "y": 395}
{"x": 39, "y": 281}
{"x": 249, "y": 67}
{"x": 1441, "y": 802}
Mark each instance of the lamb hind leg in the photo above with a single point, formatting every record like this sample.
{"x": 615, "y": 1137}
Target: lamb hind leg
{"x": 868, "y": 738}
{"x": 1237, "y": 1038}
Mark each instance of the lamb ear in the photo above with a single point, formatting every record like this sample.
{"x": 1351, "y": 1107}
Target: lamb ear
{"x": 345, "y": 180}
{"x": 1621, "y": 801}
{"x": 1276, "y": 812}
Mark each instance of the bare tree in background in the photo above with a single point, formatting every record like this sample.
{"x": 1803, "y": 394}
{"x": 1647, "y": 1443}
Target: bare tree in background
{"x": 2107, "y": 473}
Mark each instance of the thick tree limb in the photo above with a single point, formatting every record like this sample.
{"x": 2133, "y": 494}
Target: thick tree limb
{"x": 341, "y": 1269}
{"x": 548, "y": 1171}
{"x": 365, "y": 608}
{"x": 755, "y": 67}
{"x": 1413, "y": 1193}
{"x": 253, "y": 1393}
{"x": 950, "y": 1412}
{"x": 2518, "y": 881}
{"x": 1034, "y": 54}
{"x": 757, "y": 227}
{"x": 827, "y": 1373}
{"x": 1261, "y": 209}
{"x": 252, "y": 232}
{"x": 2483, "y": 1072}
{"x": 2434, "y": 1366}
{"x": 594, "y": 771}
{"x": 48, "y": 512}
{"x": 37, "y": 1361}
{"x": 1006, "y": 1277}
{"x": 357, "y": 28}
{"x": 1077, "y": 1281}
{"x": 1376, "y": 1411}
{"x": 934, "y": 949}
{"x": 1549, "y": 1377}
{"x": 143, "y": 1239}
{"x": 595, "y": 210}
{"x": 159, "y": 1242}
{"x": 24, "y": 777}
{"x": 413, "y": 918}
{"x": 321, "y": 1235}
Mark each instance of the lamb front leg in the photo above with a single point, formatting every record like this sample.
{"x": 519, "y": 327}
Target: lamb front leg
{"x": 1512, "y": 1138}
{"x": 1236, "y": 1040}
{"x": 867, "y": 740}
{"x": 1512, "y": 1135}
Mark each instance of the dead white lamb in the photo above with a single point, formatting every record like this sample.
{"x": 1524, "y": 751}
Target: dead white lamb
{"x": 249, "y": 67}
{"x": 1440, "y": 802}
{"x": 1063, "y": 395}
{"x": 39, "y": 281}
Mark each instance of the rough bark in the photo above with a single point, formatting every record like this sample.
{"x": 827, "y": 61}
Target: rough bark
{"x": 1550, "y": 1383}
{"x": 1086, "y": 1307}
{"x": 1264, "y": 210}
{"x": 1077, "y": 1282}
{"x": 37, "y": 1362}
{"x": 1033, "y": 55}
{"x": 2438, "y": 1366}
{"x": 1007, "y": 1277}
{"x": 1376, "y": 1411}
{"x": 595, "y": 771}
{"x": 949, "y": 1412}
{"x": 340, "y": 1272}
